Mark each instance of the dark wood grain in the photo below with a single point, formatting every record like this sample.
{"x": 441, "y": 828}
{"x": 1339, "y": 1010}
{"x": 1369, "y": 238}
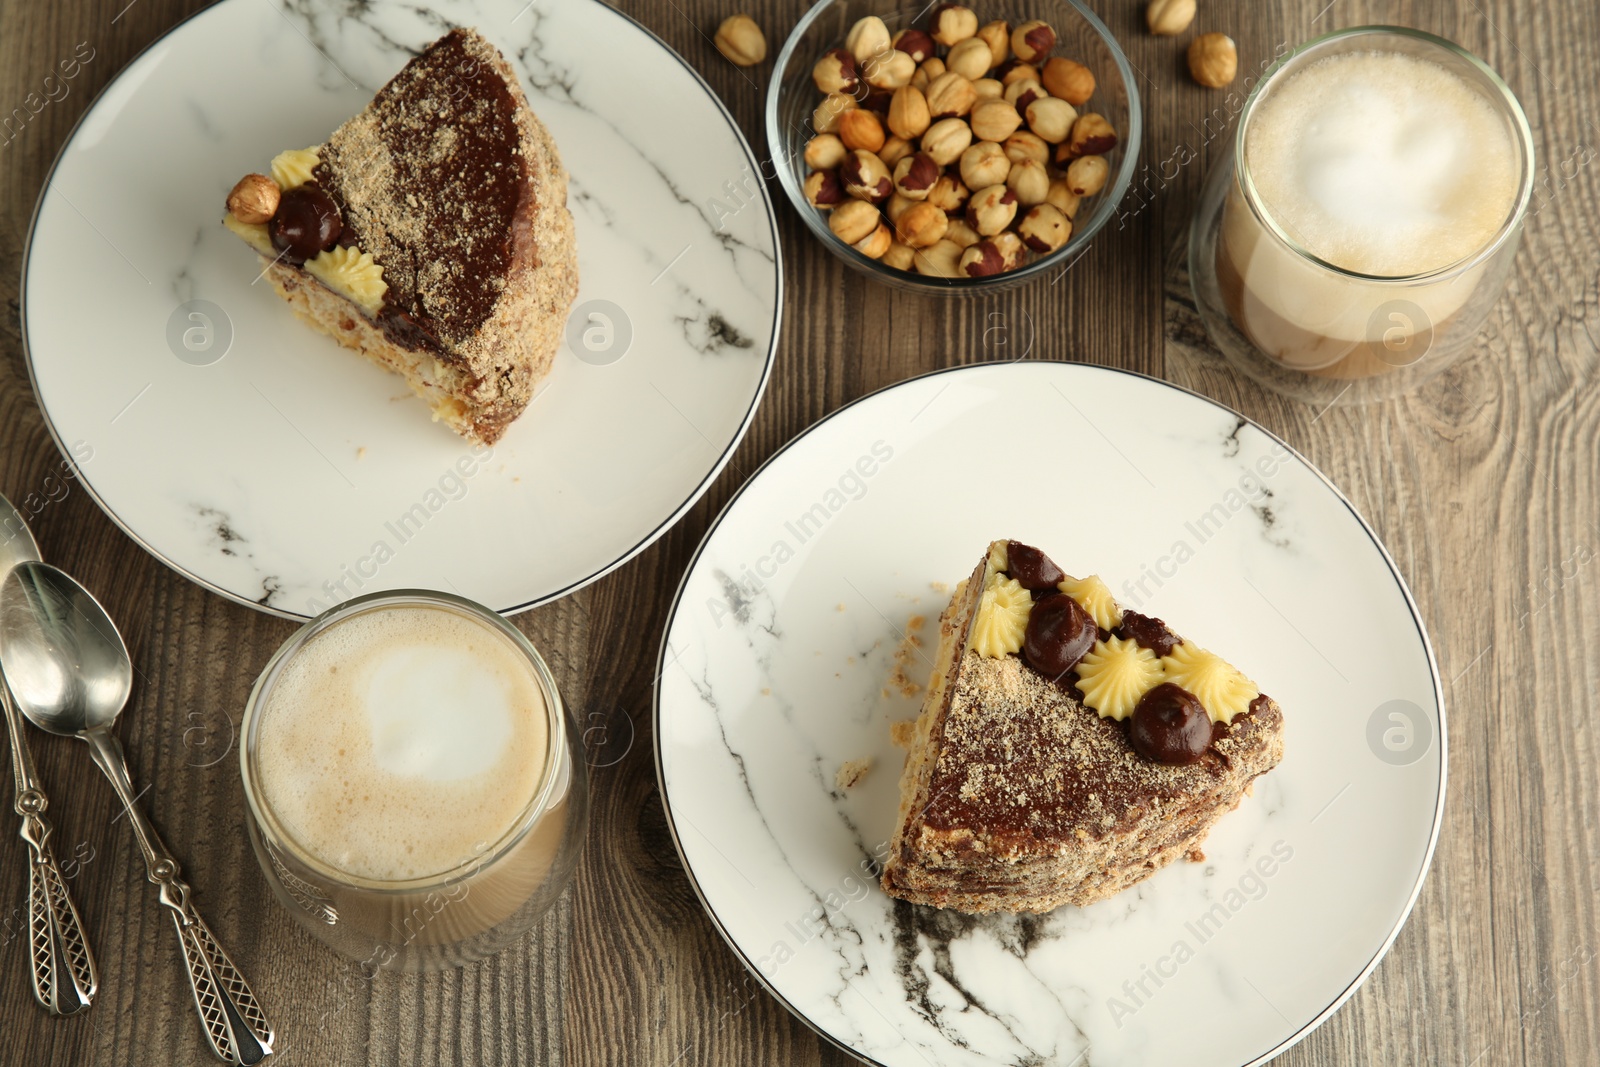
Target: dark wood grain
{"x": 1483, "y": 485}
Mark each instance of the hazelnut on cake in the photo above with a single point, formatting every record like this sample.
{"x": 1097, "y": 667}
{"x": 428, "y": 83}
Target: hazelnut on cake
{"x": 430, "y": 233}
{"x": 1067, "y": 748}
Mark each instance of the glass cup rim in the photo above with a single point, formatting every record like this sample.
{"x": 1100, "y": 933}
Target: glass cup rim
{"x": 272, "y": 831}
{"x": 1524, "y": 137}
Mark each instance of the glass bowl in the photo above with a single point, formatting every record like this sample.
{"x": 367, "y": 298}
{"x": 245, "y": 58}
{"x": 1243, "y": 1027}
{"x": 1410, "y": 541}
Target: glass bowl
{"x": 1080, "y": 35}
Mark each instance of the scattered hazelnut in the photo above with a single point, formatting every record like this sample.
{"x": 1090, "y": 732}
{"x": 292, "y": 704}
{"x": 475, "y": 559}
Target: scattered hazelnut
{"x": 950, "y": 95}
{"x": 254, "y": 199}
{"x": 854, "y": 219}
{"x": 982, "y": 260}
{"x": 1168, "y": 18}
{"x": 983, "y": 165}
{"x": 914, "y": 43}
{"x": 1044, "y": 228}
{"x": 1213, "y": 59}
{"x": 835, "y": 72}
{"x": 1062, "y": 198}
{"x": 928, "y": 70}
{"x": 962, "y": 234}
{"x": 899, "y": 256}
{"x": 948, "y": 194}
{"x": 1032, "y": 41}
{"x": 1015, "y": 70}
{"x": 915, "y": 175}
{"x": 867, "y": 38}
{"x": 1025, "y": 145}
{"x": 1030, "y": 181}
{"x": 988, "y": 88}
{"x": 908, "y": 112}
{"x": 921, "y": 225}
{"x": 894, "y": 150}
{"x": 946, "y": 139}
{"x": 890, "y": 70}
{"x": 941, "y": 260}
{"x": 823, "y": 190}
{"x": 864, "y": 177}
{"x": 896, "y": 206}
{"x": 1091, "y": 135}
{"x": 1072, "y": 82}
{"x": 1087, "y": 175}
{"x": 997, "y": 35}
{"x": 824, "y": 152}
{"x": 861, "y": 129}
{"x": 991, "y": 210}
{"x": 971, "y": 58}
{"x": 951, "y": 24}
{"x": 1024, "y": 91}
{"x": 1053, "y": 120}
{"x": 876, "y": 243}
{"x": 741, "y": 41}
{"x": 994, "y": 120}
{"x": 825, "y": 119}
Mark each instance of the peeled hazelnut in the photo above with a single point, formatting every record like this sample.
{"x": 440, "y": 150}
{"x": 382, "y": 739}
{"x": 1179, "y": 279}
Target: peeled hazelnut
{"x": 951, "y": 24}
{"x": 914, "y": 176}
{"x": 908, "y": 112}
{"x": 1044, "y": 229}
{"x": 997, "y": 35}
{"x": 824, "y": 152}
{"x": 1072, "y": 82}
{"x": 254, "y": 199}
{"x": 950, "y": 95}
{"x": 1168, "y": 18}
{"x": 899, "y": 256}
{"x": 1019, "y": 94}
{"x": 1213, "y": 59}
{"x": 894, "y": 150}
{"x": 876, "y": 243}
{"x": 941, "y": 260}
{"x": 864, "y": 177}
{"x": 1091, "y": 135}
{"x": 896, "y": 206}
{"x": 991, "y": 210}
{"x": 1062, "y": 198}
{"x": 994, "y": 120}
{"x": 948, "y": 194}
{"x": 946, "y": 139}
{"x": 825, "y": 119}
{"x": 988, "y": 89}
{"x": 962, "y": 234}
{"x": 867, "y": 38}
{"x": 1087, "y": 175}
{"x": 983, "y": 165}
{"x": 861, "y": 129}
{"x": 1016, "y": 70}
{"x": 970, "y": 58}
{"x": 823, "y": 190}
{"x": 914, "y": 43}
{"x": 982, "y": 260}
{"x": 835, "y": 72}
{"x": 853, "y": 220}
{"x": 890, "y": 70}
{"x": 1024, "y": 145}
{"x": 921, "y": 225}
{"x": 1032, "y": 41}
{"x": 1030, "y": 181}
{"x": 741, "y": 41}
{"x": 1053, "y": 120}
{"x": 928, "y": 70}
{"x": 1010, "y": 246}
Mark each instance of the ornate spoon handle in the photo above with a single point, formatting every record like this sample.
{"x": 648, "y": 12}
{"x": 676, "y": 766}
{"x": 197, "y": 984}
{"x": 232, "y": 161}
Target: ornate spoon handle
{"x": 233, "y": 1022}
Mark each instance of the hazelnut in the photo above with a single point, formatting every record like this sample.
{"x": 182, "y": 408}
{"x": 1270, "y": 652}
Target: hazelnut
{"x": 824, "y": 152}
{"x": 1030, "y": 181}
{"x": 983, "y": 165}
{"x": 1168, "y": 18}
{"x": 914, "y": 43}
{"x": 896, "y": 206}
{"x": 1024, "y": 91}
{"x": 899, "y": 256}
{"x": 825, "y": 119}
{"x": 853, "y": 220}
{"x": 950, "y": 95}
{"x": 1044, "y": 229}
{"x": 1213, "y": 59}
{"x": 948, "y": 194}
{"x": 988, "y": 89}
{"x": 1032, "y": 41}
{"x": 921, "y": 225}
{"x": 877, "y": 101}
{"x": 946, "y": 139}
{"x": 823, "y": 190}
{"x": 962, "y": 234}
{"x": 1024, "y": 145}
{"x": 1054, "y": 120}
{"x": 741, "y": 41}
{"x": 894, "y": 150}
{"x": 982, "y": 260}
{"x": 835, "y": 72}
{"x": 1062, "y": 198}
{"x": 1091, "y": 135}
{"x": 970, "y": 57}
{"x": 1010, "y": 246}
{"x": 991, "y": 210}
{"x": 997, "y": 35}
{"x": 867, "y": 38}
{"x": 908, "y": 112}
{"x": 1072, "y": 82}
{"x": 890, "y": 70}
{"x": 861, "y": 129}
{"x": 914, "y": 176}
{"x": 994, "y": 120}
{"x": 1016, "y": 70}
{"x": 876, "y": 243}
{"x": 1087, "y": 175}
{"x": 864, "y": 177}
{"x": 941, "y": 260}
{"x": 951, "y": 24}
{"x": 254, "y": 199}
{"x": 928, "y": 70}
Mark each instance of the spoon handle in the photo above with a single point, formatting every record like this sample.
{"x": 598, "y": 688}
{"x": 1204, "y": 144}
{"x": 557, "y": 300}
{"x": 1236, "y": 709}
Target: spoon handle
{"x": 233, "y": 1022}
{"x": 64, "y": 976}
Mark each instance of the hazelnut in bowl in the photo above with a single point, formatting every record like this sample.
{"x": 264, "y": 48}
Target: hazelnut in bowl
{"x": 953, "y": 147}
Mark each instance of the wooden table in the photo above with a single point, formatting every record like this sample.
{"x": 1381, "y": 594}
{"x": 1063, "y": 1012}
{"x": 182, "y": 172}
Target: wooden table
{"x": 1484, "y": 485}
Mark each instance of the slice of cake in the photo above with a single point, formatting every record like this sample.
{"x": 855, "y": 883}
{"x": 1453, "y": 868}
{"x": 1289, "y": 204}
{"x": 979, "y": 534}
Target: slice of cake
{"x": 430, "y": 233}
{"x": 1067, "y": 748}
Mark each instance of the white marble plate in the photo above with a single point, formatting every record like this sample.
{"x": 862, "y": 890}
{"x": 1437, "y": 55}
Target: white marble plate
{"x": 776, "y": 659}
{"x": 263, "y": 461}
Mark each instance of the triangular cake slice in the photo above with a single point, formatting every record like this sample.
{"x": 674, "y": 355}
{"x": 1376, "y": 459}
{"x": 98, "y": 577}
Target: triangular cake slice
{"x": 1067, "y": 748}
{"x": 429, "y": 233}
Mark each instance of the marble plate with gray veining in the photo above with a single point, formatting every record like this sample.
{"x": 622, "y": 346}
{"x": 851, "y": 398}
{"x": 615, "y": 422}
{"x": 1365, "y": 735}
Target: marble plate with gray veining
{"x": 260, "y": 459}
{"x": 777, "y": 667}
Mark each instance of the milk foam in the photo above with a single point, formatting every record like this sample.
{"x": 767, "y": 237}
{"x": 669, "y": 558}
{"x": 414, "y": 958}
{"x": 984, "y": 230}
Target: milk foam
{"x": 402, "y": 742}
{"x": 1382, "y": 163}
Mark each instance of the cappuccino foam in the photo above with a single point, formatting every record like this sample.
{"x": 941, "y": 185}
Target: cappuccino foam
{"x": 1383, "y": 163}
{"x": 402, "y": 742}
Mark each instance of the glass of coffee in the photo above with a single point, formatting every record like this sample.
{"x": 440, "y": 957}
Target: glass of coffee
{"x": 414, "y": 792}
{"x": 1353, "y": 243}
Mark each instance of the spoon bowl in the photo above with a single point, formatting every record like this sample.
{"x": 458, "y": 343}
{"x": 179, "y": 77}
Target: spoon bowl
{"x": 67, "y": 665}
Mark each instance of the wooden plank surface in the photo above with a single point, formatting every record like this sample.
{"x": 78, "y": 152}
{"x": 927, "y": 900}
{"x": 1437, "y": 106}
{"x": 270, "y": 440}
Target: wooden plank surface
{"x": 1483, "y": 485}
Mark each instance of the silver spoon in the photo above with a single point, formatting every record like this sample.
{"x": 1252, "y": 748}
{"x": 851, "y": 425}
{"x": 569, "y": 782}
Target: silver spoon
{"x": 71, "y": 675}
{"x": 64, "y": 975}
